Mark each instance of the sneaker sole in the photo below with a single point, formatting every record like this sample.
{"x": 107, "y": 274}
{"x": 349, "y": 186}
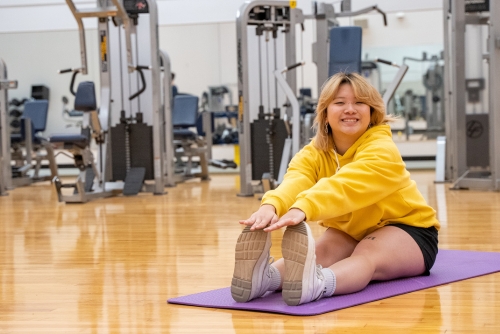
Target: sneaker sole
{"x": 299, "y": 255}
{"x": 251, "y": 255}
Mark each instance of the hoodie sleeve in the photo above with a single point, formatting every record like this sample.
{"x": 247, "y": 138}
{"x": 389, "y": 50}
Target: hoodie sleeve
{"x": 302, "y": 174}
{"x": 376, "y": 171}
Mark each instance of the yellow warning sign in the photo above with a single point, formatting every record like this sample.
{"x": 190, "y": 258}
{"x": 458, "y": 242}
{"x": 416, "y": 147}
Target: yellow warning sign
{"x": 240, "y": 109}
{"x": 104, "y": 50}
{"x": 293, "y": 4}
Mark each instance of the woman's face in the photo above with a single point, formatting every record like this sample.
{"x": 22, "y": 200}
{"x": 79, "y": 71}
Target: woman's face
{"x": 347, "y": 117}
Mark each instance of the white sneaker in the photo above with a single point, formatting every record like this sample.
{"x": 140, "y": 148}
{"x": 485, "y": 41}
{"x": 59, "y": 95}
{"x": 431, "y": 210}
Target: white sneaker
{"x": 304, "y": 282}
{"x": 252, "y": 274}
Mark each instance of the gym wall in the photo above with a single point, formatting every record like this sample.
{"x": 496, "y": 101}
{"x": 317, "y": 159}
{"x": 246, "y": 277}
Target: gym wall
{"x": 37, "y": 38}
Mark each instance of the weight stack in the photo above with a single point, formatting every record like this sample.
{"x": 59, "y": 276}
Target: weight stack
{"x": 260, "y": 148}
{"x": 140, "y": 148}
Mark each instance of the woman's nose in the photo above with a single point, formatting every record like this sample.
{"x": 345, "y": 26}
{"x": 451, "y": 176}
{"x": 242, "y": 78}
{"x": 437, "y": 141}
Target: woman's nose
{"x": 350, "y": 107}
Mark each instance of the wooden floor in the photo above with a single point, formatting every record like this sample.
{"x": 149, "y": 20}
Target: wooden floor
{"x": 109, "y": 266}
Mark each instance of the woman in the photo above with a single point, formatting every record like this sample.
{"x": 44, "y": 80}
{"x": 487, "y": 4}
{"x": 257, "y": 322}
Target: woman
{"x": 352, "y": 179}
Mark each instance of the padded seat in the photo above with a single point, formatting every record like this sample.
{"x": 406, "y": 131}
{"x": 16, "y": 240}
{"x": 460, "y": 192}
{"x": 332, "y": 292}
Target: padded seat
{"x": 39, "y": 139}
{"x": 16, "y": 138}
{"x": 184, "y": 134}
{"x": 85, "y": 101}
{"x": 71, "y": 139}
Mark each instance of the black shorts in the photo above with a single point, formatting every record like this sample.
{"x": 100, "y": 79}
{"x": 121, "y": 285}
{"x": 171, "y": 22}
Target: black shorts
{"x": 426, "y": 239}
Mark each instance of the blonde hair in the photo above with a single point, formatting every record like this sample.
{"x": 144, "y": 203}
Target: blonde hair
{"x": 363, "y": 92}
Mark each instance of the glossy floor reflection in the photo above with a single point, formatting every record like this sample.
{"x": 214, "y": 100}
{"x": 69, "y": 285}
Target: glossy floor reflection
{"x": 109, "y": 266}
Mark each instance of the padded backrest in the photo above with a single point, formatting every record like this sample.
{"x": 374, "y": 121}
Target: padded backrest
{"x": 175, "y": 91}
{"x": 305, "y": 92}
{"x": 345, "y": 50}
{"x": 37, "y": 111}
{"x": 85, "y": 97}
{"x": 185, "y": 111}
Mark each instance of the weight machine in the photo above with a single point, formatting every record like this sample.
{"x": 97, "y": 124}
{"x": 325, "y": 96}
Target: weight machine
{"x": 219, "y": 121}
{"x": 471, "y": 81}
{"x": 262, "y": 141}
{"x": 29, "y": 144}
{"x": 129, "y": 149}
{"x": 19, "y": 149}
{"x": 433, "y": 108}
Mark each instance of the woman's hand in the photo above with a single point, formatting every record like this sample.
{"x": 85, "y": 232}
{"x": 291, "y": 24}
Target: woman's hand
{"x": 292, "y": 217}
{"x": 261, "y": 218}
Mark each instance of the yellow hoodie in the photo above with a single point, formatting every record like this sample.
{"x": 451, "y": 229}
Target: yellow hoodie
{"x": 371, "y": 189}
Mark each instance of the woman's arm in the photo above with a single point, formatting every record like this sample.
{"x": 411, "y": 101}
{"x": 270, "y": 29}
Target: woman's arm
{"x": 302, "y": 174}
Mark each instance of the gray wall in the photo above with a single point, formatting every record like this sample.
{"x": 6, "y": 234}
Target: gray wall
{"x": 39, "y": 37}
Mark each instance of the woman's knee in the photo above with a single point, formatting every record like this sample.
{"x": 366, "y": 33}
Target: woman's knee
{"x": 333, "y": 246}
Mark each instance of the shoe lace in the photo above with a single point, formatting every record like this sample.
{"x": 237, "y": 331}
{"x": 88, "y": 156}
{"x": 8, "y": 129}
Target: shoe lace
{"x": 270, "y": 261}
{"x": 319, "y": 274}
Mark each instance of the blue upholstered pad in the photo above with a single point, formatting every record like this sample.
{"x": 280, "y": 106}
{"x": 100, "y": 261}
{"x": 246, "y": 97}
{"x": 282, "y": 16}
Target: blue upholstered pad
{"x": 185, "y": 111}
{"x": 77, "y": 139}
{"x": 37, "y": 111}
{"x": 180, "y": 134}
{"x": 85, "y": 97}
{"x": 345, "y": 50}
{"x": 16, "y": 138}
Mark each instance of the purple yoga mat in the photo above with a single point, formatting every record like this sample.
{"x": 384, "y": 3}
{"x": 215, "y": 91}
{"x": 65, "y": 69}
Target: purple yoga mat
{"x": 450, "y": 266}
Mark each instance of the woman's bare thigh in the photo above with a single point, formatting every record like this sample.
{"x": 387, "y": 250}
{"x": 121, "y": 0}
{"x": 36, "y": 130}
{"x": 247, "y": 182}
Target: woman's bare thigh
{"x": 393, "y": 252}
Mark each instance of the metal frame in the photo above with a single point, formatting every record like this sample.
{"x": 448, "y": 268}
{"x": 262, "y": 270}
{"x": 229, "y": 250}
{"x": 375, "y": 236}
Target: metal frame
{"x": 457, "y": 171}
{"x": 396, "y": 81}
{"x": 24, "y": 158}
{"x": 102, "y": 11}
{"x": 159, "y": 116}
{"x": 168, "y": 130}
{"x": 5, "y": 169}
{"x": 242, "y": 21}
{"x": 325, "y": 18}
{"x": 291, "y": 144}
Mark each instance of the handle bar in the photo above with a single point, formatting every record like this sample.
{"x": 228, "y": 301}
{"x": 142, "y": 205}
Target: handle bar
{"x": 139, "y": 69}
{"x": 383, "y": 61}
{"x": 72, "y": 83}
{"x": 383, "y": 14}
{"x": 291, "y": 67}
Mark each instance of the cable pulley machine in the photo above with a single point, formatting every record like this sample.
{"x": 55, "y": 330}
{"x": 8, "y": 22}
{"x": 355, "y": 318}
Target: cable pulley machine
{"x": 131, "y": 151}
{"x": 265, "y": 128}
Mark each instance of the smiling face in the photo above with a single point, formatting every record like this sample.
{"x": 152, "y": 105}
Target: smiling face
{"x": 348, "y": 117}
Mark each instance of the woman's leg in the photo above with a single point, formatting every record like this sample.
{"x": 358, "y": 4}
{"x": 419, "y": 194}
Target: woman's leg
{"x": 385, "y": 254}
{"x": 334, "y": 246}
